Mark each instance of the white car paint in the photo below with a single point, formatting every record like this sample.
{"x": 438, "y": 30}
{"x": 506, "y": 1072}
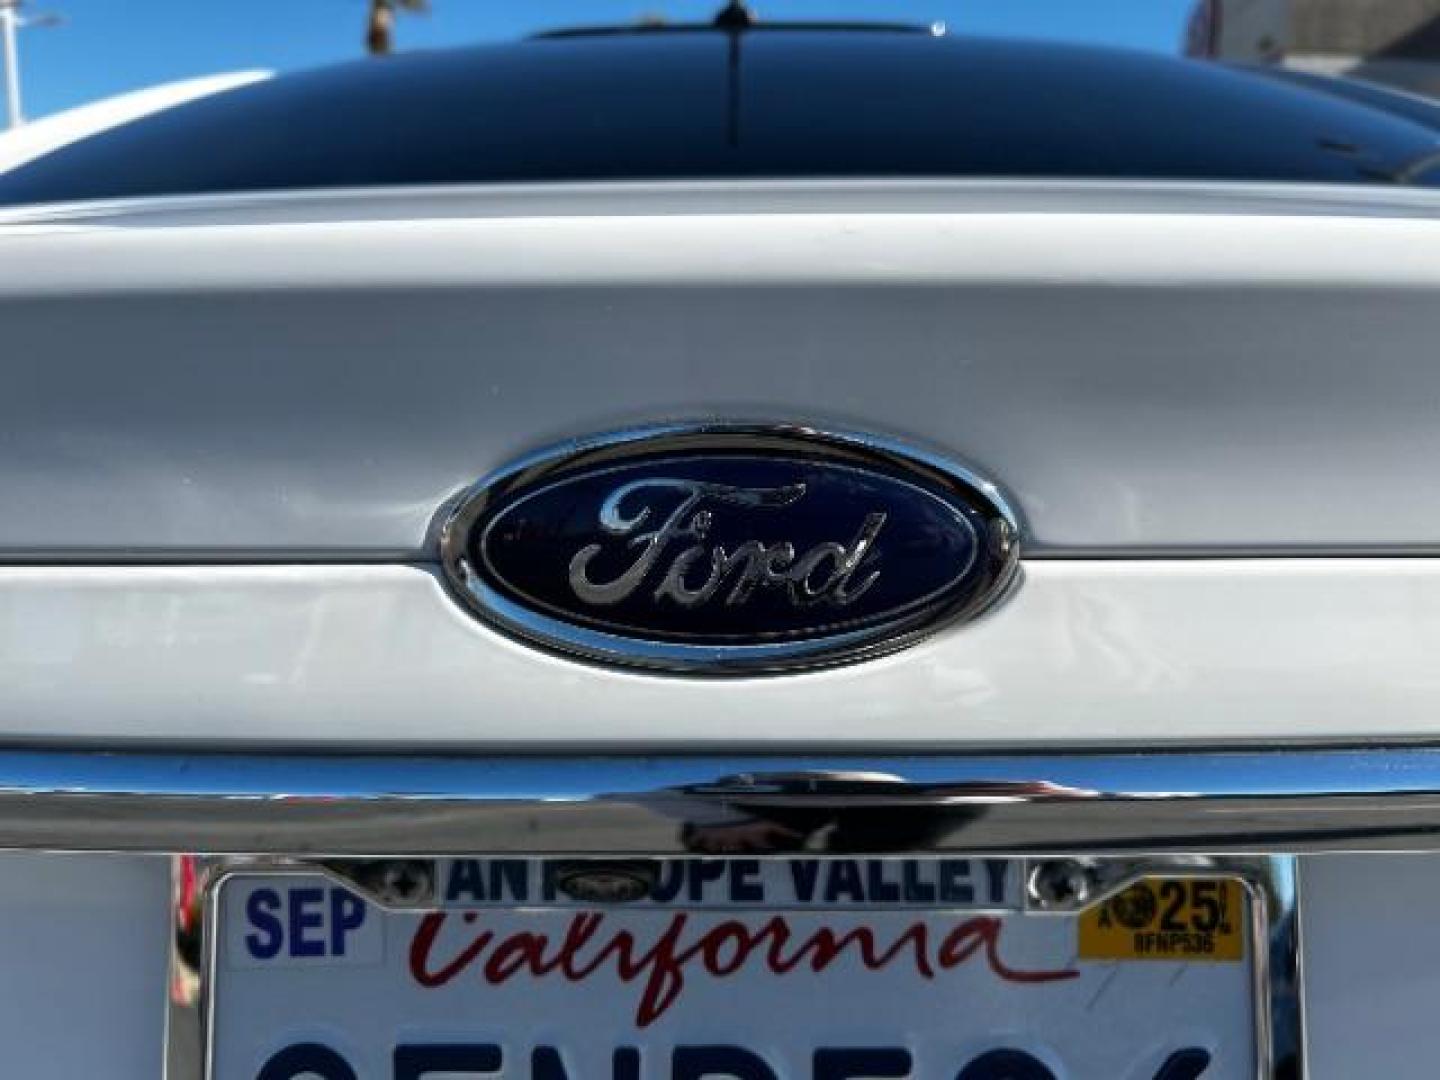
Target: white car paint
{"x": 1227, "y": 373}
{"x": 304, "y": 380}
{"x": 83, "y": 982}
{"x": 1372, "y": 965}
{"x": 1085, "y": 653}
{"x": 39, "y": 137}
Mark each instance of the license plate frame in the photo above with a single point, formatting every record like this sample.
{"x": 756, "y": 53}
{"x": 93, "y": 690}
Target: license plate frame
{"x": 1050, "y": 887}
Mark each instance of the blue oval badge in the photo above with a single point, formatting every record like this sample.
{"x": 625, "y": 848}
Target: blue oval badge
{"x": 729, "y": 549}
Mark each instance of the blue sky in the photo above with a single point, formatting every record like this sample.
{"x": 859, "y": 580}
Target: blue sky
{"x": 108, "y": 46}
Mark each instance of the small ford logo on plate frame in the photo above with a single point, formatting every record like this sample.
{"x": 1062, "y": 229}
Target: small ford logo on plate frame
{"x": 733, "y": 549}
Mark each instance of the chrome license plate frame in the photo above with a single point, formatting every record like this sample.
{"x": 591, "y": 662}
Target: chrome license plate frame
{"x": 1051, "y": 886}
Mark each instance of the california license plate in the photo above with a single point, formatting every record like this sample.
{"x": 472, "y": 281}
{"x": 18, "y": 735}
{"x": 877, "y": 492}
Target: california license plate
{"x": 821, "y": 968}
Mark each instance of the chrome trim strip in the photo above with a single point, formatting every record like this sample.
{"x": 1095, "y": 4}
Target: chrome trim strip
{"x": 889, "y": 195}
{"x": 1281, "y": 801}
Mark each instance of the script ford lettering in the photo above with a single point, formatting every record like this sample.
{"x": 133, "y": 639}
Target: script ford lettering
{"x": 728, "y": 549}
{"x": 823, "y": 573}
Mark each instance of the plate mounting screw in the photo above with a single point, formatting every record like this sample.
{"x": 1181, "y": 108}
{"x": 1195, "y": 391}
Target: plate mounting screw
{"x": 1061, "y": 884}
{"x": 403, "y": 882}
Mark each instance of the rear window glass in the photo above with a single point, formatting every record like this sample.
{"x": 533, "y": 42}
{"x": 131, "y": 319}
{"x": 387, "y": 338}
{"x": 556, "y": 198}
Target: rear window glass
{"x": 710, "y": 104}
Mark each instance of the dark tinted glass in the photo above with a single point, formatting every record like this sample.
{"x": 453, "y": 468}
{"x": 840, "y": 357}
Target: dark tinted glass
{"x": 770, "y": 103}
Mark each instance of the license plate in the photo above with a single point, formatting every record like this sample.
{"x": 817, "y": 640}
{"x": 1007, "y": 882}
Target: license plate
{"x": 686, "y": 969}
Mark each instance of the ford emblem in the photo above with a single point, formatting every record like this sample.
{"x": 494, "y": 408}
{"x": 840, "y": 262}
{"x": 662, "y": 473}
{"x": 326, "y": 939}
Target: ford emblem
{"x": 729, "y": 549}
{"x": 608, "y": 881}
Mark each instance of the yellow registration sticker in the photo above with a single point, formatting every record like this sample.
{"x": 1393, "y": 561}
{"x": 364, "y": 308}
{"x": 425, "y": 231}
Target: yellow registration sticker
{"x": 1168, "y": 919}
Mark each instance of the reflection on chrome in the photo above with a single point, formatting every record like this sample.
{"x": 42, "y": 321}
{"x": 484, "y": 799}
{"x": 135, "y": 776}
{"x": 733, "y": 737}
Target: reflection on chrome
{"x": 710, "y": 806}
{"x": 1282, "y": 802}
